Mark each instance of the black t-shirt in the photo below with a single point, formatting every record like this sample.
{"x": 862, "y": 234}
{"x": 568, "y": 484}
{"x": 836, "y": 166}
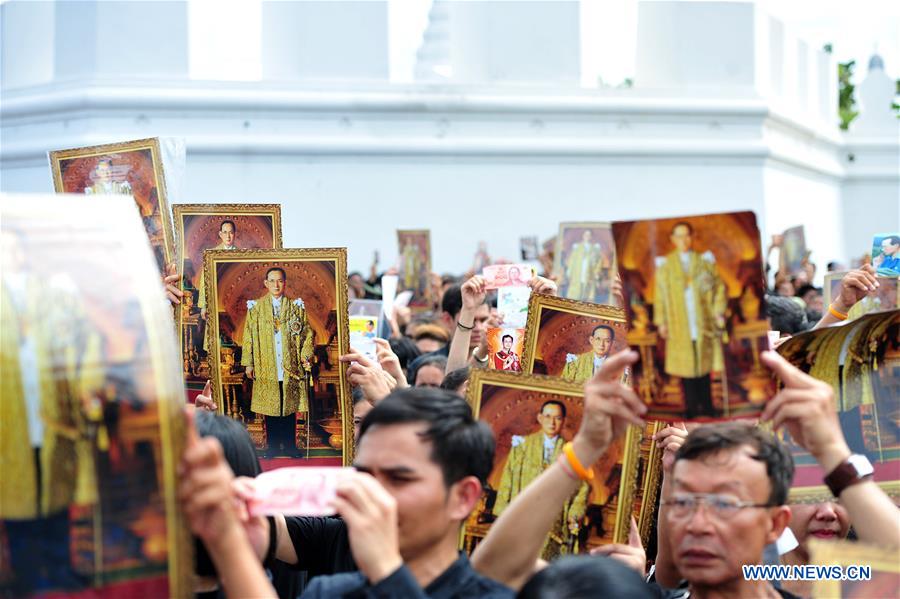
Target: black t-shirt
{"x": 321, "y": 544}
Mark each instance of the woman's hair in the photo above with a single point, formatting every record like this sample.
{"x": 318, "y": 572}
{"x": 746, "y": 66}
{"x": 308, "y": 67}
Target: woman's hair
{"x": 585, "y": 577}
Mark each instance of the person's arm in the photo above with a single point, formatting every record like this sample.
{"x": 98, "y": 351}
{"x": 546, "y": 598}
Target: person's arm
{"x": 473, "y": 294}
{"x": 668, "y": 440}
{"x": 510, "y": 550}
{"x": 855, "y": 285}
{"x": 805, "y": 407}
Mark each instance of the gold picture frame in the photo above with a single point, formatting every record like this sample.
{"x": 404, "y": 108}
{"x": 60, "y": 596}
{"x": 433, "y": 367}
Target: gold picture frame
{"x": 194, "y": 224}
{"x": 882, "y": 562}
{"x": 140, "y": 174}
{"x": 601, "y": 262}
{"x": 532, "y": 391}
{"x": 323, "y": 294}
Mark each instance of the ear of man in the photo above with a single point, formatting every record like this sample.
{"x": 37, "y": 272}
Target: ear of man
{"x": 463, "y": 497}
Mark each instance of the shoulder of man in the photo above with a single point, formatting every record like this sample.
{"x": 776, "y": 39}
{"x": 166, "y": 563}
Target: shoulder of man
{"x": 708, "y": 257}
{"x": 299, "y": 303}
{"x": 335, "y": 585}
{"x": 660, "y": 261}
{"x": 251, "y": 304}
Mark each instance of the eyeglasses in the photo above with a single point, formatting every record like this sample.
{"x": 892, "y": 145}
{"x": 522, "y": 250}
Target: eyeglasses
{"x": 720, "y": 506}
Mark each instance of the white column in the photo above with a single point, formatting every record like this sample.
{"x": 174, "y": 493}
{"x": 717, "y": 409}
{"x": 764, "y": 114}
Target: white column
{"x": 130, "y": 39}
{"x": 322, "y": 40}
{"x": 26, "y": 43}
{"x": 516, "y": 42}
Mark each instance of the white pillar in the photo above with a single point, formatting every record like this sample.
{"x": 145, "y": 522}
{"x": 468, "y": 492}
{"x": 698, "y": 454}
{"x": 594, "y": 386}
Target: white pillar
{"x": 27, "y": 43}
{"x": 322, "y": 40}
{"x": 122, "y": 39}
{"x": 516, "y": 42}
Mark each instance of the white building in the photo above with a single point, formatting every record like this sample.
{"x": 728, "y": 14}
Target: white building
{"x": 495, "y": 139}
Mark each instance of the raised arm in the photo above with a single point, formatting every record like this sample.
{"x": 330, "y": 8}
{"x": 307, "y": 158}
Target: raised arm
{"x": 855, "y": 285}
{"x": 510, "y": 550}
{"x": 473, "y": 294}
{"x": 806, "y": 407}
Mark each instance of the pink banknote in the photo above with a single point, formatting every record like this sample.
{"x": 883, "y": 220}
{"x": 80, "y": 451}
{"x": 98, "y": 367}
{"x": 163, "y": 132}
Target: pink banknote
{"x": 507, "y": 275}
{"x": 296, "y": 491}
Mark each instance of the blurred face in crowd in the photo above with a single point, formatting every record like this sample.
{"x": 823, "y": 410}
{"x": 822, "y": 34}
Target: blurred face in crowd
{"x": 551, "y": 420}
{"x": 275, "y": 283}
{"x": 360, "y": 409}
{"x": 482, "y": 313}
{"x": 707, "y": 546}
{"x": 601, "y": 342}
{"x": 814, "y": 301}
{"x": 682, "y": 238}
{"x": 427, "y": 510}
{"x": 827, "y": 520}
{"x": 429, "y": 376}
{"x": 226, "y": 234}
{"x": 357, "y": 285}
{"x": 427, "y": 345}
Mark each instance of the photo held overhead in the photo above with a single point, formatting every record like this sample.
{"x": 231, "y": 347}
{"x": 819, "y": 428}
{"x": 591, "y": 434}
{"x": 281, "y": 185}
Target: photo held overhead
{"x": 695, "y": 299}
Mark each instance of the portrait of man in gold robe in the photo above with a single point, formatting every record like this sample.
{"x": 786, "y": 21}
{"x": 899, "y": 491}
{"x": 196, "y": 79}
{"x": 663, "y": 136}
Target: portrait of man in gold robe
{"x": 689, "y": 313}
{"x": 528, "y": 457}
{"x": 412, "y": 265}
{"x": 103, "y": 182}
{"x": 582, "y": 269}
{"x": 581, "y": 367}
{"x": 278, "y": 345}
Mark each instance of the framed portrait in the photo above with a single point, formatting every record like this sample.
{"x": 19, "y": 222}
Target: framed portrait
{"x": 415, "y": 266}
{"x": 528, "y": 248}
{"x": 132, "y": 168}
{"x": 793, "y": 249}
{"x": 92, "y": 411}
{"x": 695, "y": 299}
{"x": 885, "y": 297}
{"x": 201, "y": 227}
{"x": 366, "y": 318}
{"x": 585, "y": 262}
{"x": 871, "y": 572}
{"x": 566, "y": 338}
{"x": 525, "y": 412}
{"x": 505, "y": 349}
{"x": 291, "y": 303}
{"x": 861, "y": 361}
{"x": 570, "y": 339}
{"x": 886, "y": 254}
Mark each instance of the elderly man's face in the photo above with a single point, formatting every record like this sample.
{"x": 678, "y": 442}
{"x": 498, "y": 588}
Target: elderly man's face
{"x": 226, "y": 234}
{"x": 103, "y": 171}
{"x": 275, "y": 283}
{"x": 551, "y": 420}
{"x": 682, "y": 238}
{"x": 710, "y": 550}
{"x": 601, "y": 342}
{"x": 888, "y": 249}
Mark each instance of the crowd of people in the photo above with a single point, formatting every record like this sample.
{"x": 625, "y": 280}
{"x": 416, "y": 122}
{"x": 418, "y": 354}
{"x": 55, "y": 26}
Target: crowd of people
{"x": 422, "y": 461}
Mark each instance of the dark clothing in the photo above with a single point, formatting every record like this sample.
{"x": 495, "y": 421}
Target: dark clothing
{"x": 413, "y": 367}
{"x": 281, "y": 435}
{"x": 684, "y": 593}
{"x": 321, "y": 544}
{"x": 459, "y": 580}
{"x": 698, "y": 397}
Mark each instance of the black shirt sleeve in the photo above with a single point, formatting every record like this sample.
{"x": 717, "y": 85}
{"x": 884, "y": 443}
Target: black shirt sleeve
{"x": 321, "y": 544}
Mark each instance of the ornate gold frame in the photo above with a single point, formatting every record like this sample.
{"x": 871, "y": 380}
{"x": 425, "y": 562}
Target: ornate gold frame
{"x": 179, "y": 211}
{"x": 428, "y": 295}
{"x": 336, "y": 255}
{"x": 540, "y": 301}
{"x": 849, "y": 553}
{"x": 152, "y": 144}
{"x": 548, "y": 384}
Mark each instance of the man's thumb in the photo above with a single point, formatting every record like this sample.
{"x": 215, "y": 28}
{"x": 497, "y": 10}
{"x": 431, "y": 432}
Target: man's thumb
{"x": 634, "y": 535}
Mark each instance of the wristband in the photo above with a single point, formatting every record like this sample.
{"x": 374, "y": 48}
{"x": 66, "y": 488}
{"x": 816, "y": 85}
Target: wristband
{"x": 564, "y": 464}
{"x": 585, "y": 474}
{"x": 835, "y": 313}
{"x": 475, "y": 355}
{"x": 464, "y": 327}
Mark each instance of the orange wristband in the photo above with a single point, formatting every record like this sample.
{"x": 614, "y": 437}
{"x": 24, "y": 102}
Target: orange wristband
{"x": 580, "y": 471}
{"x": 836, "y": 314}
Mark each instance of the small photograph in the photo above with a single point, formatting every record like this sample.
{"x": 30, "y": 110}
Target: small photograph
{"x": 532, "y": 418}
{"x": 275, "y": 336}
{"x": 365, "y": 320}
{"x": 695, "y": 299}
{"x": 505, "y": 349}
{"x": 585, "y": 262}
{"x": 202, "y": 227}
{"x": 512, "y": 302}
{"x": 571, "y": 339}
{"x": 528, "y": 248}
{"x": 886, "y": 254}
{"x": 793, "y": 249}
{"x": 885, "y": 297}
{"x": 132, "y": 168}
{"x": 861, "y": 361}
{"x": 415, "y": 266}
{"x": 507, "y": 275}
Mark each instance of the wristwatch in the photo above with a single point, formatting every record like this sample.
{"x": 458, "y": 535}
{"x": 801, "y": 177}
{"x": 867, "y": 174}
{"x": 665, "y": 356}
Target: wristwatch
{"x": 851, "y": 471}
